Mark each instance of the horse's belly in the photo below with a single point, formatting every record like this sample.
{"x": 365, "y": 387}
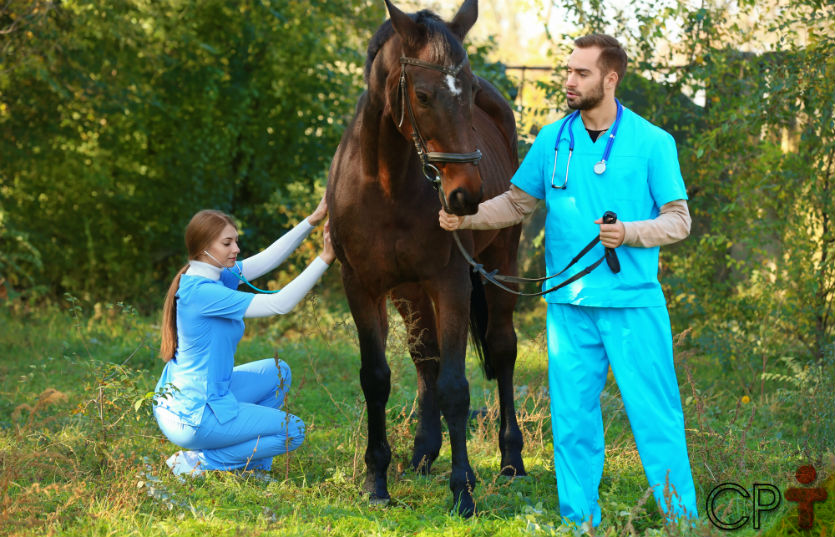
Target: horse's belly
{"x": 383, "y": 259}
{"x": 421, "y": 262}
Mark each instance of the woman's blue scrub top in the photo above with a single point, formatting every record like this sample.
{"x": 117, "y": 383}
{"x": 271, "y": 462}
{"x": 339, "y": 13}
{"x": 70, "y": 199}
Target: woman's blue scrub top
{"x": 642, "y": 174}
{"x": 209, "y": 326}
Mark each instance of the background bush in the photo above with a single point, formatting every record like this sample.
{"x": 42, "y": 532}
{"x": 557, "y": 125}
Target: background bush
{"x": 755, "y": 131}
{"x": 118, "y": 120}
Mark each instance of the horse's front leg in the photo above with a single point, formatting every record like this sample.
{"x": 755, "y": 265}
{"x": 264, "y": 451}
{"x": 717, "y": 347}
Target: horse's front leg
{"x": 452, "y": 298}
{"x": 418, "y": 314}
{"x": 369, "y": 314}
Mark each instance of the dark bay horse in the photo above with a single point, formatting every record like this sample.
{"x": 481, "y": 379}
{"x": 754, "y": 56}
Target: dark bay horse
{"x": 425, "y": 111}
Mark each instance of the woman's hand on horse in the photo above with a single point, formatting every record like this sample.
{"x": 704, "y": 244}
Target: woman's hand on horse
{"x": 449, "y": 222}
{"x": 319, "y": 214}
{"x": 328, "y": 254}
{"x": 611, "y": 235}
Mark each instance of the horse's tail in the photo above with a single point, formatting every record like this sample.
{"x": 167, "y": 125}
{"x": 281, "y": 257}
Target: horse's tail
{"x": 478, "y": 324}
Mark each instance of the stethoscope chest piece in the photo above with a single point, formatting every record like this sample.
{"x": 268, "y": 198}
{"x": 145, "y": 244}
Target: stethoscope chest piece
{"x": 600, "y": 167}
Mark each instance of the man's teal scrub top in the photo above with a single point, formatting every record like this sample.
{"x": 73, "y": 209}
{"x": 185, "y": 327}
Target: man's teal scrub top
{"x": 642, "y": 174}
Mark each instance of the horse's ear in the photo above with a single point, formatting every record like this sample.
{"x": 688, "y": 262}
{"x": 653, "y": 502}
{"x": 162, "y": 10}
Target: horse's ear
{"x": 464, "y": 19}
{"x": 410, "y": 32}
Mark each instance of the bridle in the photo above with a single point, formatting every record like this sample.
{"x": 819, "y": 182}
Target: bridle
{"x": 429, "y": 158}
{"x": 433, "y": 175}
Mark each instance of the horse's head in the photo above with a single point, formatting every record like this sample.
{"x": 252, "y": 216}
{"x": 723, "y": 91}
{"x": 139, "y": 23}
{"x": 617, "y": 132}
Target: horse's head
{"x": 429, "y": 96}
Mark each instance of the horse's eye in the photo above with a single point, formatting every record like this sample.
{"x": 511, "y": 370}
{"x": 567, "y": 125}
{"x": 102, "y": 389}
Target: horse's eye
{"x": 422, "y": 97}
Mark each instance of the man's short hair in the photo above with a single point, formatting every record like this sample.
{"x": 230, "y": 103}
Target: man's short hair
{"x": 612, "y": 56}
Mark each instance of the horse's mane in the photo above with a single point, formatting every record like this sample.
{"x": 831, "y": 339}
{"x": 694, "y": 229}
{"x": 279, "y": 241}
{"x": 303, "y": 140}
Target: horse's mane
{"x": 441, "y": 41}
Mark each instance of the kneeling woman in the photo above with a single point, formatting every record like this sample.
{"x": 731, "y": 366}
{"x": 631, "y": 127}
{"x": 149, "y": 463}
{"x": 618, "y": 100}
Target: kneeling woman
{"x": 227, "y": 417}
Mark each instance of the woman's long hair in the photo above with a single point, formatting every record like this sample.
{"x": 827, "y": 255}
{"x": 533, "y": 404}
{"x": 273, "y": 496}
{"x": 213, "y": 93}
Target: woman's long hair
{"x": 201, "y": 231}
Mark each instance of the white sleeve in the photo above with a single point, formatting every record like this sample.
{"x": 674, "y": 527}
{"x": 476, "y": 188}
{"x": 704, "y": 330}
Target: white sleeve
{"x": 263, "y": 262}
{"x": 286, "y": 299}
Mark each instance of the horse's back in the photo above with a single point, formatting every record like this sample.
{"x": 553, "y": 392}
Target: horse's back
{"x": 495, "y": 127}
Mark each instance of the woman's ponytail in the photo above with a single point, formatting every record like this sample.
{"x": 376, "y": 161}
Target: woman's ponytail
{"x": 169, "y": 319}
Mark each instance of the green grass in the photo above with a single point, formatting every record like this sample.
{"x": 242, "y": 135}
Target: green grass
{"x": 81, "y": 453}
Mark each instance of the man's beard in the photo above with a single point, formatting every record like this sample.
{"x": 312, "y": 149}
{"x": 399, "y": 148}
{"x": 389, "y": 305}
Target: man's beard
{"x": 589, "y": 101}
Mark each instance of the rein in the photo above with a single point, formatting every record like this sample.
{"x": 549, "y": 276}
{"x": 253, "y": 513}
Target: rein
{"x": 496, "y": 279}
{"x": 428, "y": 158}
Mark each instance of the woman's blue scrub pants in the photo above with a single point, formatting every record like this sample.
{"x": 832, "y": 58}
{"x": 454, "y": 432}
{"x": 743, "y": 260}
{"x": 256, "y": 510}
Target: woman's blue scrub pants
{"x": 637, "y": 342}
{"x": 251, "y": 440}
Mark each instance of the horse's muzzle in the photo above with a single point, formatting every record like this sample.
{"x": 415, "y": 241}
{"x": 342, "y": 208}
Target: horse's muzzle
{"x": 461, "y": 202}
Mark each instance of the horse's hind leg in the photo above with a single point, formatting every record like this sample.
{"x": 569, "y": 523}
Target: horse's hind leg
{"x": 418, "y": 313}
{"x": 500, "y": 352}
{"x": 369, "y": 314}
{"x": 501, "y": 342}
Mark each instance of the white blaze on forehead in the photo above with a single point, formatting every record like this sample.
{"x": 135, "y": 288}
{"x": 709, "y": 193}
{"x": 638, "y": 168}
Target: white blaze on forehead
{"x": 452, "y": 84}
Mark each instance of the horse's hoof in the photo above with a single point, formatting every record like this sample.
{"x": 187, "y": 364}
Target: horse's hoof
{"x": 378, "y": 501}
{"x": 464, "y": 507}
{"x": 423, "y": 469}
{"x": 510, "y": 471}
{"x": 422, "y": 464}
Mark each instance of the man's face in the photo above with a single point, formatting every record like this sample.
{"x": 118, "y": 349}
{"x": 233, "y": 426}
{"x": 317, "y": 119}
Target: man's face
{"x": 584, "y": 79}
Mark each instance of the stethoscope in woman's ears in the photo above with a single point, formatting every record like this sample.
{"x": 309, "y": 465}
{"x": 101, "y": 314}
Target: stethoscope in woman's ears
{"x": 238, "y": 274}
{"x": 600, "y": 167}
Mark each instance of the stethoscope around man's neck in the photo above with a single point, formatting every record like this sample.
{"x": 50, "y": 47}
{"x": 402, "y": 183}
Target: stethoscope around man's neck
{"x": 599, "y": 167}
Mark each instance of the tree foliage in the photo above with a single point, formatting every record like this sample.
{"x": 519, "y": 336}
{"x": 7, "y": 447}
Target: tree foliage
{"x": 120, "y": 119}
{"x": 748, "y": 93}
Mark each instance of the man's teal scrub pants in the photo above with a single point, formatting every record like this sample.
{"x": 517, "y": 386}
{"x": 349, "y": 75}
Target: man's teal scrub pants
{"x": 637, "y": 342}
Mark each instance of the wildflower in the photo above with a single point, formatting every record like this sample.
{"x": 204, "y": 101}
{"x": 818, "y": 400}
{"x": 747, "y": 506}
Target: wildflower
{"x": 745, "y": 399}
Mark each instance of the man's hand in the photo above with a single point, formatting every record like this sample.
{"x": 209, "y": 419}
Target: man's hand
{"x": 449, "y": 222}
{"x": 611, "y": 235}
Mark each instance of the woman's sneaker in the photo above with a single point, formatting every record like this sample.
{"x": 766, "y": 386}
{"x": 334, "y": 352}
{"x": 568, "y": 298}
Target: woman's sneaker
{"x": 185, "y": 463}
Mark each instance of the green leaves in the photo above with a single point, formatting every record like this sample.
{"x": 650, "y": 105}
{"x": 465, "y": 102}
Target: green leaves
{"x": 118, "y": 121}
{"x": 749, "y": 97}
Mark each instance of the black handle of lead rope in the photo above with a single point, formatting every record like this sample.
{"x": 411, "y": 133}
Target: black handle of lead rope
{"x": 611, "y": 256}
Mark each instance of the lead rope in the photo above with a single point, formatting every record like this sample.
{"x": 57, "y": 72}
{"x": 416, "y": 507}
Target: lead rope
{"x": 609, "y": 255}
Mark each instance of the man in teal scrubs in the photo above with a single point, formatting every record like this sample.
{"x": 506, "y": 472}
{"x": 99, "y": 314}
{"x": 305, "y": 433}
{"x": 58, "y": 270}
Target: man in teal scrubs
{"x": 605, "y": 318}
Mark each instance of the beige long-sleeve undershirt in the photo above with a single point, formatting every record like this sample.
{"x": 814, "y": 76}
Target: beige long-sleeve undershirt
{"x": 671, "y": 225}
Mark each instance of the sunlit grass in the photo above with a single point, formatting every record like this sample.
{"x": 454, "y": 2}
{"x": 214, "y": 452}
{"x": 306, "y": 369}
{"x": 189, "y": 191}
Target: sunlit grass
{"x": 81, "y": 454}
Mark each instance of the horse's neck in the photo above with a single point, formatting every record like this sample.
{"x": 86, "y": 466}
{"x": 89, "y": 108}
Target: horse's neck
{"x": 386, "y": 154}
